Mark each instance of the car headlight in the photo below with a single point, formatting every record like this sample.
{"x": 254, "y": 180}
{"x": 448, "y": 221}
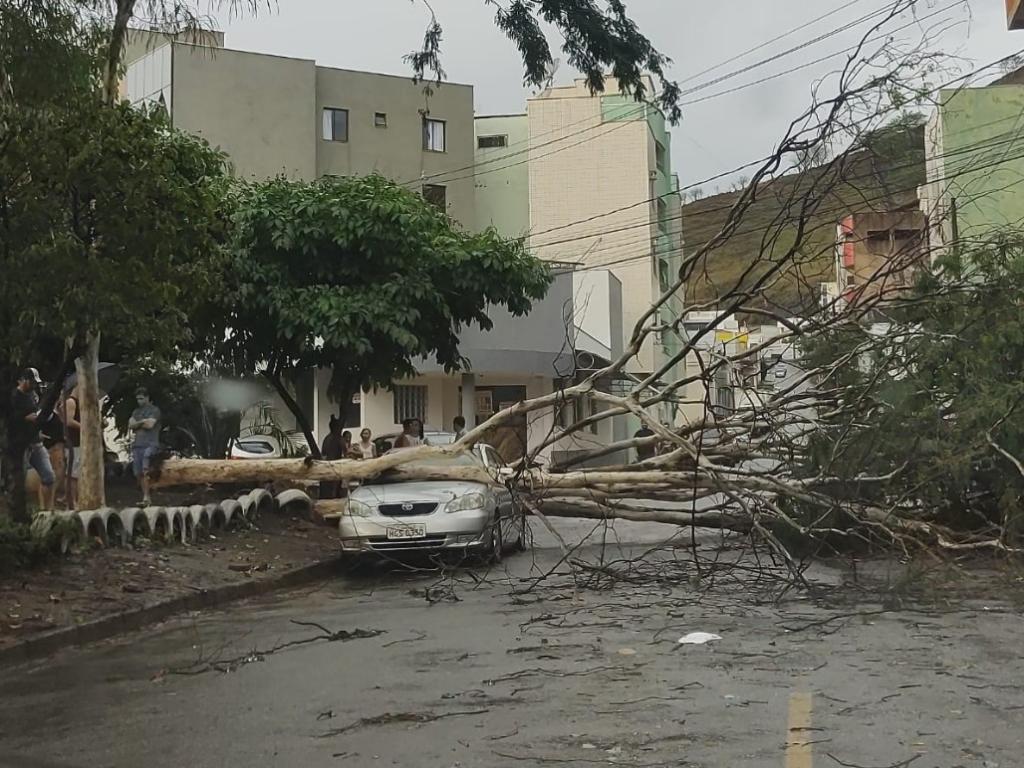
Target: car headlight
{"x": 469, "y": 501}
{"x": 358, "y": 508}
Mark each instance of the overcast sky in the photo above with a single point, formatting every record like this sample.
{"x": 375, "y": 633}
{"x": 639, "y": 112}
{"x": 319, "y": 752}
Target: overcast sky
{"x": 721, "y": 133}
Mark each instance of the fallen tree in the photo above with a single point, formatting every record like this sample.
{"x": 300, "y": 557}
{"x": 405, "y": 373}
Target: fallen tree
{"x": 807, "y": 459}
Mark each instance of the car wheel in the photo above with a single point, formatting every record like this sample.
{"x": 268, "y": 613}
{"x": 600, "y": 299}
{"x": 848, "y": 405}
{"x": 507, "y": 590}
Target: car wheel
{"x": 496, "y": 548}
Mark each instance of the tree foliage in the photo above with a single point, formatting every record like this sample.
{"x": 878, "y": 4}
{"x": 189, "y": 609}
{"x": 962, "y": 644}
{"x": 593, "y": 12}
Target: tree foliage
{"x": 938, "y": 400}
{"x": 110, "y": 222}
{"x": 597, "y": 41}
{"x": 361, "y": 276}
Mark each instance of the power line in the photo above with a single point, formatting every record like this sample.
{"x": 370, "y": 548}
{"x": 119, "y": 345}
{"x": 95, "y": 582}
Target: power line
{"x": 811, "y": 63}
{"x": 765, "y": 44}
{"x": 745, "y": 166}
{"x": 440, "y": 176}
{"x": 476, "y": 174}
{"x": 795, "y": 49}
{"x": 973, "y": 169}
{"x": 986, "y": 144}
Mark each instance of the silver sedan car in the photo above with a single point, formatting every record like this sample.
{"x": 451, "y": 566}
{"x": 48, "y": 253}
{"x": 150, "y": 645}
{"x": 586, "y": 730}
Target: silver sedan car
{"x": 436, "y": 516}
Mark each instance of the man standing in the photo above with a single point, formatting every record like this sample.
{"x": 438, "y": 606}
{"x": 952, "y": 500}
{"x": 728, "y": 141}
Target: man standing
{"x": 145, "y": 423}
{"x": 645, "y": 452}
{"x": 459, "y": 423}
{"x": 26, "y": 439}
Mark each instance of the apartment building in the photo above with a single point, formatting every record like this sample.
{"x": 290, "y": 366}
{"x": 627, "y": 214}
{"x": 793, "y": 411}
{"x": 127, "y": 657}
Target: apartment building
{"x": 974, "y": 163}
{"x": 588, "y": 178}
{"x": 603, "y": 195}
{"x": 594, "y": 332}
{"x": 275, "y": 115}
{"x": 878, "y": 254}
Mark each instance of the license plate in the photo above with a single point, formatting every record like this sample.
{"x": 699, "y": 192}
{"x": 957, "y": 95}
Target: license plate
{"x": 399, "y": 532}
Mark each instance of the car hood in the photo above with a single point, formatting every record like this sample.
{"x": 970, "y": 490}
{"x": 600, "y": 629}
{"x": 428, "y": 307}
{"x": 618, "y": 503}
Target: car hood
{"x": 396, "y": 493}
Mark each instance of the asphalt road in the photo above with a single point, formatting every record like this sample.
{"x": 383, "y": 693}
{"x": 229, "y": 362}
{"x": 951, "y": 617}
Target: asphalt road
{"x": 498, "y": 668}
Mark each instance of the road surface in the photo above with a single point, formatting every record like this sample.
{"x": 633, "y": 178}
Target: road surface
{"x": 497, "y": 668}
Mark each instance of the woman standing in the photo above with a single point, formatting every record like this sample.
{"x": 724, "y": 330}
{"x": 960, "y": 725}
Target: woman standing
{"x": 365, "y": 449}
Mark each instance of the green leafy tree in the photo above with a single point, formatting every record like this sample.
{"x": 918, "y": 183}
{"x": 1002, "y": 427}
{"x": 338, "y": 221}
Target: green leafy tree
{"x": 938, "y": 399}
{"x": 111, "y": 223}
{"x": 361, "y": 276}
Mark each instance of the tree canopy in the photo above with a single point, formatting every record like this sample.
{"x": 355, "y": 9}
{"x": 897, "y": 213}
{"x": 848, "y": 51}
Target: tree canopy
{"x": 362, "y": 276}
{"x": 596, "y": 40}
{"x": 938, "y": 401}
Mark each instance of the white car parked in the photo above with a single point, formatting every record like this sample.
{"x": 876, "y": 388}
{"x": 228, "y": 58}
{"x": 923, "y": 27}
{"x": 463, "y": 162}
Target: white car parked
{"x": 436, "y": 516}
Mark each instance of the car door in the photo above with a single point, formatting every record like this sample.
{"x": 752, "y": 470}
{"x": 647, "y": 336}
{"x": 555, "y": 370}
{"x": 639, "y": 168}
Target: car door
{"x": 503, "y": 496}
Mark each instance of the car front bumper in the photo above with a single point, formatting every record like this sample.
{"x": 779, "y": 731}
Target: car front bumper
{"x": 444, "y": 531}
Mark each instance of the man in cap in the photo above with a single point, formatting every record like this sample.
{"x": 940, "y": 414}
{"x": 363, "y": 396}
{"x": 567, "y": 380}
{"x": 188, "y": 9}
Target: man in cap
{"x": 26, "y": 421}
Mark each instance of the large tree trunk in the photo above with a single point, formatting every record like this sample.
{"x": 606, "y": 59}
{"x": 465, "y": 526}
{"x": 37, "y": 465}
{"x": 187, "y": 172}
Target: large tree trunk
{"x": 91, "y": 493}
{"x": 203, "y": 472}
{"x": 300, "y": 418}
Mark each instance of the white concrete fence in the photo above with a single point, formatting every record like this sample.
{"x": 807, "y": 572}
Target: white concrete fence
{"x": 119, "y": 527}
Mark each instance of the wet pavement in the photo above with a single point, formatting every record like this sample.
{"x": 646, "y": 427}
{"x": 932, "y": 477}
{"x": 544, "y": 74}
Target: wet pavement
{"x": 501, "y": 668}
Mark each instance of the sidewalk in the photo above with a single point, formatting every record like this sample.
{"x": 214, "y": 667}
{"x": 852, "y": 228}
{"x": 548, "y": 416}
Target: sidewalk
{"x": 85, "y": 588}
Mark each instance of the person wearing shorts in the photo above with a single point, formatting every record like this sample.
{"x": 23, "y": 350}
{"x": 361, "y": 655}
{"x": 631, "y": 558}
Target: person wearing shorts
{"x": 145, "y": 424}
{"x": 25, "y": 436}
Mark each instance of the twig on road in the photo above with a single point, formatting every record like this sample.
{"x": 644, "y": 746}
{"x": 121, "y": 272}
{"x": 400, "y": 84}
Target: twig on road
{"x": 419, "y": 636}
{"x": 901, "y": 764}
{"x": 400, "y": 717}
{"x": 201, "y": 666}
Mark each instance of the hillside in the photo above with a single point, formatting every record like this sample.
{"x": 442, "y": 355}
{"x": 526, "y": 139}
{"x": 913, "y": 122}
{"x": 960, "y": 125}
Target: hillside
{"x": 883, "y": 173}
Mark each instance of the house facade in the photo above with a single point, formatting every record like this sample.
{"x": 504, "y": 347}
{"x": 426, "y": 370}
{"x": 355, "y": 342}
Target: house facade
{"x": 974, "y": 163}
{"x": 878, "y": 255}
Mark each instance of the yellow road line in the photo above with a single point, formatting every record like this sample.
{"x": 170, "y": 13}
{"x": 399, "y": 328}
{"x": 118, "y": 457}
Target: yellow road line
{"x": 799, "y": 751}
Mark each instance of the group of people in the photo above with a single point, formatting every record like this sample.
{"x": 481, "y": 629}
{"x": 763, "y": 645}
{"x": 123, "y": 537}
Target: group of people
{"x": 338, "y": 444}
{"x": 50, "y": 440}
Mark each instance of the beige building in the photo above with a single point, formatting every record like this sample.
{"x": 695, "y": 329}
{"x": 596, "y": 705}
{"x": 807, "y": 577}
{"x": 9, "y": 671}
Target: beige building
{"x": 274, "y": 115}
{"x": 604, "y": 161}
{"x": 282, "y": 116}
{"x": 879, "y": 254}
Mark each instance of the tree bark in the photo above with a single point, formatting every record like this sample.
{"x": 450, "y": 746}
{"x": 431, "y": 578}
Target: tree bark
{"x": 91, "y": 494}
{"x": 203, "y": 472}
{"x": 300, "y": 418}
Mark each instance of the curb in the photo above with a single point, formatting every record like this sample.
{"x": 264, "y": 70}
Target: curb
{"x": 129, "y": 621}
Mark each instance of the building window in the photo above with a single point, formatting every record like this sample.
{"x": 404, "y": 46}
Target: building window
{"x": 661, "y": 156}
{"x": 664, "y": 277}
{"x": 380, "y": 119}
{"x": 433, "y": 135}
{"x": 662, "y": 215}
{"x": 410, "y": 402}
{"x": 335, "y": 124}
{"x": 491, "y": 142}
{"x": 436, "y": 194}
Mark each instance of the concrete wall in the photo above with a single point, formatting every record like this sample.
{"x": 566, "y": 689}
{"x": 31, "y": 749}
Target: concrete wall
{"x": 140, "y": 42}
{"x": 502, "y": 181}
{"x": 597, "y": 305}
{"x": 266, "y": 113}
{"x": 887, "y": 248}
{"x": 533, "y": 344}
{"x": 589, "y": 156}
{"x": 982, "y": 159}
{"x": 396, "y": 151}
{"x": 259, "y": 109}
